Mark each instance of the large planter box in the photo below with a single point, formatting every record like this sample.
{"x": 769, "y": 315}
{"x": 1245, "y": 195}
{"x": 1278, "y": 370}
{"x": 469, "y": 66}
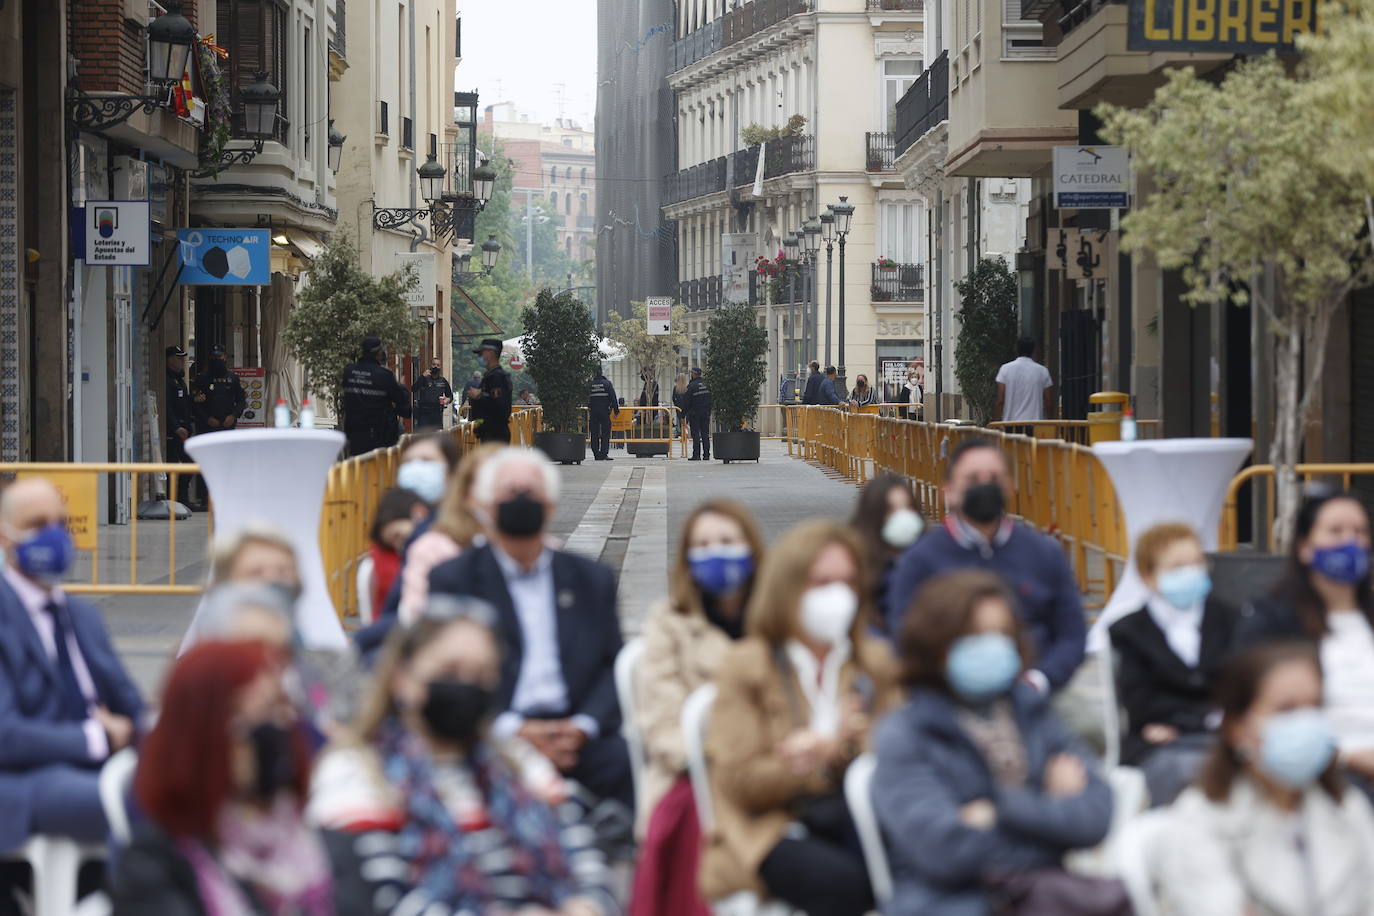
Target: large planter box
{"x": 647, "y": 449}
{"x": 741, "y": 445}
{"x": 564, "y": 448}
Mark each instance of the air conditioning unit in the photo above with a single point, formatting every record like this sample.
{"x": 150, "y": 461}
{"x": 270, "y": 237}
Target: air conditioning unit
{"x": 130, "y": 179}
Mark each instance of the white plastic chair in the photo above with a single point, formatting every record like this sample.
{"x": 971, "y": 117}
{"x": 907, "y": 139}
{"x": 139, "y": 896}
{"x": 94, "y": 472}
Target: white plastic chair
{"x": 56, "y": 863}
{"x": 858, "y": 793}
{"x": 626, "y": 673}
{"x": 364, "y": 587}
{"x": 115, "y": 777}
{"x": 1111, "y": 707}
{"x": 1134, "y": 859}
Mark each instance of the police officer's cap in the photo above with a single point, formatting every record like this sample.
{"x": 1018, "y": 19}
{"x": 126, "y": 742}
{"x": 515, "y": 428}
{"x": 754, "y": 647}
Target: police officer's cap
{"x": 371, "y": 344}
{"x": 696, "y": 370}
{"x": 217, "y": 350}
{"x": 490, "y": 343}
{"x": 174, "y": 350}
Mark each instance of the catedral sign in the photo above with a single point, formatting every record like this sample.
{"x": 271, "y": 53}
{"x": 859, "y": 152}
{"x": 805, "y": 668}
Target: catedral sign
{"x": 1222, "y": 26}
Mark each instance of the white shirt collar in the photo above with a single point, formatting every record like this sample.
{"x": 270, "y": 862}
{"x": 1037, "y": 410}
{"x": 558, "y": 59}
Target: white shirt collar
{"x": 1182, "y": 627}
{"x": 513, "y": 570}
{"x": 820, "y": 683}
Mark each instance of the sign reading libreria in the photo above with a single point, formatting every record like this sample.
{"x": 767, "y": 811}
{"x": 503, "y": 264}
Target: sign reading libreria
{"x": 1222, "y": 26}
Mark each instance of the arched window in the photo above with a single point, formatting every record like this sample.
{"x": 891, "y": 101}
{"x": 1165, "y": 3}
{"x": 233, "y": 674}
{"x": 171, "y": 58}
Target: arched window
{"x": 553, "y": 175}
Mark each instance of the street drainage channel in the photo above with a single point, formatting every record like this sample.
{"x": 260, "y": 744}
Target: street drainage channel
{"x": 618, "y": 541}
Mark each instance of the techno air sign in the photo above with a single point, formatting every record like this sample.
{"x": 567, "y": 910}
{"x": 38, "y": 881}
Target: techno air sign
{"x": 1221, "y": 26}
{"x": 225, "y": 257}
{"x": 1091, "y": 178}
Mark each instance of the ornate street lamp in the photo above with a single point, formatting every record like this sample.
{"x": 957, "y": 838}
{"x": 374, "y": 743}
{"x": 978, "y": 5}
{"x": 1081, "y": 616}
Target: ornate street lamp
{"x": 844, "y": 215}
{"x": 789, "y": 247}
{"x": 828, "y": 234}
{"x": 483, "y": 184}
{"x": 260, "y": 102}
{"x": 336, "y": 145}
{"x": 491, "y": 251}
{"x": 432, "y": 179}
{"x": 462, "y": 272}
{"x": 811, "y": 240}
{"x": 170, "y": 40}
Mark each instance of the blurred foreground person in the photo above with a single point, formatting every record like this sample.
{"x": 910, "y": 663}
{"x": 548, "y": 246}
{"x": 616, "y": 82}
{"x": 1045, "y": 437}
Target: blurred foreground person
{"x": 222, "y": 780}
{"x": 685, "y": 640}
{"x": 888, "y": 521}
{"x": 392, "y": 527}
{"x": 980, "y": 790}
{"x": 796, "y": 701}
{"x": 1270, "y": 828}
{"x": 460, "y": 821}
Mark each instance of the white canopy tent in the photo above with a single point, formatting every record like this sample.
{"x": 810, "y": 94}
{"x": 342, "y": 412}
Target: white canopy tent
{"x": 611, "y": 352}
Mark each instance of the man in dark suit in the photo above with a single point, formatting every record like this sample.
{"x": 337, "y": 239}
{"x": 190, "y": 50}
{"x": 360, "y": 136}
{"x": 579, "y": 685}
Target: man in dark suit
{"x": 812, "y": 393}
{"x": 66, "y": 702}
{"x": 558, "y": 626}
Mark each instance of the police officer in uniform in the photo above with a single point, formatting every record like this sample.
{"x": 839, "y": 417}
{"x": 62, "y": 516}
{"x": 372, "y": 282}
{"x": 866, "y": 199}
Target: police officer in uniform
{"x": 490, "y": 401}
{"x": 601, "y": 403}
{"x": 373, "y": 401}
{"x": 433, "y": 393}
{"x": 219, "y": 395}
{"x": 699, "y": 417}
{"x": 181, "y": 418}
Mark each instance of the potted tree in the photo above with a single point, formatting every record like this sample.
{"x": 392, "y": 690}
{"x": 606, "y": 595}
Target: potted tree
{"x": 561, "y": 355}
{"x": 655, "y": 353}
{"x": 735, "y": 370}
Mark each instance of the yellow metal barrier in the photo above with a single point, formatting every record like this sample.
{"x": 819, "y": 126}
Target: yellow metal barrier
{"x": 1229, "y": 535}
{"x": 1061, "y": 487}
{"x": 646, "y": 425}
{"x": 1075, "y": 431}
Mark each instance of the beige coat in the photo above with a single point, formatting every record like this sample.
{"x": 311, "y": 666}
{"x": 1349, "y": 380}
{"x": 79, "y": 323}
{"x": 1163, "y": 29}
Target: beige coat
{"x": 1240, "y": 856}
{"x": 681, "y": 653}
{"x": 753, "y": 791}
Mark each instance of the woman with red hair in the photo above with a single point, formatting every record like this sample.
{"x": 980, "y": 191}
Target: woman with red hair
{"x": 221, "y": 780}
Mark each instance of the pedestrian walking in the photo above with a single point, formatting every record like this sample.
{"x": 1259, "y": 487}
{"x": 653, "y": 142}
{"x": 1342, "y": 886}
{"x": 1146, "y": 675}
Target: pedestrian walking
{"x": 433, "y": 394}
{"x": 1025, "y": 390}
{"x": 829, "y": 393}
{"x": 812, "y": 393}
{"x": 699, "y": 417}
{"x": 373, "y": 401}
{"x": 601, "y": 404}
{"x": 181, "y": 419}
{"x": 489, "y": 403}
{"x": 218, "y": 394}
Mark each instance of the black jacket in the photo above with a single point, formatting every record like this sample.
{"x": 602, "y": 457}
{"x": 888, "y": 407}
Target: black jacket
{"x": 180, "y": 411}
{"x": 1268, "y": 618}
{"x": 1155, "y": 686}
{"x": 372, "y": 403}
{"x": 698, "y": 397}
{"x": 428, "y": 390}
{"x": 588, "y": 627}
{"x": 601, "y": 399}
{"x": 218, "y": 395}
{"x": 152, "y": 878}
{"x": 493, "y": 406}
{"x": 812, "y": 393}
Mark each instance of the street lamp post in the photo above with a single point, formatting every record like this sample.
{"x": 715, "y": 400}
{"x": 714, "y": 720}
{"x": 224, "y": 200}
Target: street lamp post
{"x": 491, "y": 252}
{"x": 811, "y": 230}
{"x": 789, "y": 245}
{"x": 800, "y": 236}
{"x": 828, "y": 234}
{"x": 170, "y": 39}
{"x": 844, "y": 214}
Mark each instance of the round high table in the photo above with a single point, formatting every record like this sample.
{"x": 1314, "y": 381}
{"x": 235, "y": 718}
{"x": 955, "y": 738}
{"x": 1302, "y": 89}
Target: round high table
{"x": 1164, "y": 480}
{"x": 276, "y": 477}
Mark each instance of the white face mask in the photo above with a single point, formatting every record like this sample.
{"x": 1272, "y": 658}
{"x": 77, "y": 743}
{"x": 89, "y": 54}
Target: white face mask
{"x": 902, "y": 528}
{"x": 827, "y": 612}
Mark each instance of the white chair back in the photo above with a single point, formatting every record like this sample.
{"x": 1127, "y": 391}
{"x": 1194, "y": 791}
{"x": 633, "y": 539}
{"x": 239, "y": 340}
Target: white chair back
{"x": 1134, "y": 856}
{"x": 696, "y": 712}
{"x": 1111, "y": 707}
{"x": 366, "y": 570}
{"x": 626, "y": 688}
{"x": 115, "y": 778}
{"x": 858, "y": 792}
{"x": 55, "y": 862}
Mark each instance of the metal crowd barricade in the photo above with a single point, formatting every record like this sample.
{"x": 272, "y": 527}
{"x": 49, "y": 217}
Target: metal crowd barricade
{"x": 1075, "y": 431}
{"x": 1262, "y": 475}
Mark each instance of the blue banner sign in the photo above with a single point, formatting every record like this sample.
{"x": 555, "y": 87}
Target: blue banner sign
{"x": 225, "y": 257}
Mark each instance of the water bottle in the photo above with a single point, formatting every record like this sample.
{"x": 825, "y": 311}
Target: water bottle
{"x": 281, "y": 416}
{"x": 307, "y": 414}
{"x": 1128, "y": 426}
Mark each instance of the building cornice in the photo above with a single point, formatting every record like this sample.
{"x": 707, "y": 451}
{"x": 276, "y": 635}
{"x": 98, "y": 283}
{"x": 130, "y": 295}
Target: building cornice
{"x": 780, "y": 36}
{"x": 922, "y": 165}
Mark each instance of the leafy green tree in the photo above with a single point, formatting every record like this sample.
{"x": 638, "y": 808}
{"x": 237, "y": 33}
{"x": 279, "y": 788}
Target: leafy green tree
{"x": 987, "y": 334}
{"x": 342, "y": 305}
{"x": 653, "y": 352}
{"x": 1249, "y": 213}
{"x": 562, "y": 354}
{"x": 1339, "y": 64}
{"x": 735, "y": 367}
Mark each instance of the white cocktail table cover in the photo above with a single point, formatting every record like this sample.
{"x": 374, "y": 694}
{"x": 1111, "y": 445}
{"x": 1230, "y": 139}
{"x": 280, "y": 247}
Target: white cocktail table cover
{"x": 1164, "y": 480}
{"x": 277, "y": 477}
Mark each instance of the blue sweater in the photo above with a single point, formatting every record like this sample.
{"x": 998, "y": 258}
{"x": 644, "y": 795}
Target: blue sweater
{"x": 1035, "y": 567}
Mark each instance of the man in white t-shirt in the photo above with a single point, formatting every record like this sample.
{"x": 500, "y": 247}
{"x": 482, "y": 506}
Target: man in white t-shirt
{"x": 1024, "y": 387}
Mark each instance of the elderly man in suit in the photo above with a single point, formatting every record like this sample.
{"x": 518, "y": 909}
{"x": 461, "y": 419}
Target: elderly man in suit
{"x": 558, "y": 623}
{"x": 66, "y": 702}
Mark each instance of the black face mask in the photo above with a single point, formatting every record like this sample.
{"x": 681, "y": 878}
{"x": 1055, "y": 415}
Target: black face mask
{"x": 455, "y": 710}
{"x": 520, "y": 516}
{"x": 434, "y": 371}
{"x": 983, "y": 503}
{"x": 218, "y": 366}
{"x": 272, "y": 759}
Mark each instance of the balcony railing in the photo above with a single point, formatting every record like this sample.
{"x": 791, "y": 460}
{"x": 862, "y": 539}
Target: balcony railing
{"x": 752, "y": 18}
{"x": 881, "y": 151}
{"x": 1076, "y": 12}
{"x": 781, "y": 157}
{"x": 703, "y": 293}
{"x": 900, "y": 283}
{"x": 692, "y": 47}
{"x": 900, "y": 6}
{"x": 925, "y": 104}
{"x": 698, "y": 181}
{"x": 340, "y": 42}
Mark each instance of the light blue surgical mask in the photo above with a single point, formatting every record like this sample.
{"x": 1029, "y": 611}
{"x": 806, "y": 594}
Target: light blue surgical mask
{"x": 1296, "y": 747}
{"x": 982, "y": 667}
{"x": 425, "y": 478}
{"x": 1185, "y": 587}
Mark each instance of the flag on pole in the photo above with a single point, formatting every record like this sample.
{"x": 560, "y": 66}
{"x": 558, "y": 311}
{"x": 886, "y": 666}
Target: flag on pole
{"x": 758, "y": 172}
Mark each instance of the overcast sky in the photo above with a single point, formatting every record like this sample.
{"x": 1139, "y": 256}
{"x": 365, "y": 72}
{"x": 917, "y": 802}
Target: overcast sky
{"x": 521, "y": 50}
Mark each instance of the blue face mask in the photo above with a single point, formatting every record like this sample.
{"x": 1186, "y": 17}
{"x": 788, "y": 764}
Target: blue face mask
{"x": 1347, "y": 563}
{"x": 722, "y": 568}
{"x": 1185, "y": 587}
{"x": 982, "y": 667}
{"x": 46, "y": 555}
{"x": 425, "y": 478}
{"x": 1296, "y": 747}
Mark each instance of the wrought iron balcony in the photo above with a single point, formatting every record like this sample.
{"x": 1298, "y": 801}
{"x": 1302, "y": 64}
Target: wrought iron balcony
{"x": 1074, "y": 12}
{"x": 899, "y": 6}
{"x": 881, "y": 152}
{"x": 751, "y": 18}
{"x": 697, "y": 181}
{"x": 925, "y": 104}
{"x": 692, "y": 47}
{"x": 703, "y": 293}
{"x": 781, "y": 157}
{"x": 340, "y": 43}
{"x": 899, "y": 283}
